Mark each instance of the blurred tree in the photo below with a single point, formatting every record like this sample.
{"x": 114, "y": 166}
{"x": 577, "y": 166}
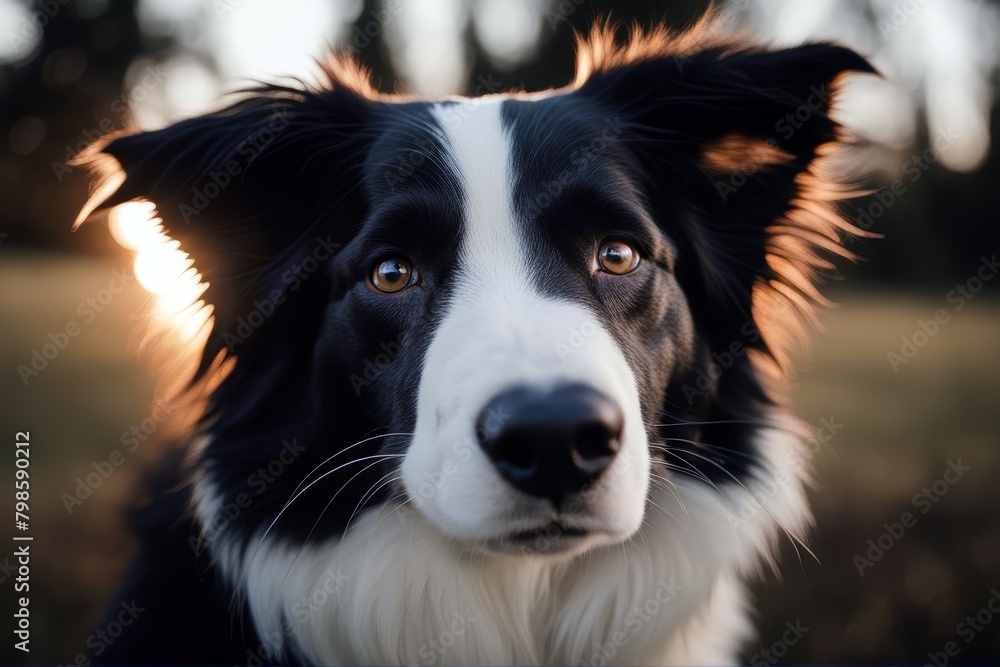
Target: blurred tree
{"x": 368, "y": 43}
{"x": 70, "y": 90}
{"x": 64, "y": 95}
{"x": 553, "y": 64}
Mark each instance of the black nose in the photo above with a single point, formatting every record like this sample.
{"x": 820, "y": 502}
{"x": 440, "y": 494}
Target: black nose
{"x": 551, "y": 443}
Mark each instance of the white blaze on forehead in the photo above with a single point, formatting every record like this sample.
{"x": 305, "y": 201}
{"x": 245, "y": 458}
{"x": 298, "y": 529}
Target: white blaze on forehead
{"x": 498, "y": 332}
{"x": 480, "y": 153}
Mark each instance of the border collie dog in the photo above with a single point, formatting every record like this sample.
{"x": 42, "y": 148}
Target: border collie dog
{"x": 493, "y": 380}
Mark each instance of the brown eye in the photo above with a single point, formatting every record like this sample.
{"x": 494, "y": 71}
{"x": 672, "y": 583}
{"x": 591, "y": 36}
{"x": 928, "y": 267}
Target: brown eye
{"x": 392, "y": 275}
{"x": 617, "y": 257}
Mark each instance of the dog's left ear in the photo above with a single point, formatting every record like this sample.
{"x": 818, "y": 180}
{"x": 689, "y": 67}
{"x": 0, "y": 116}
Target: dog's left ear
{"x": 726, "y": 136}
{"x": 232, "y": 184}
{"x": 244, "y": 191}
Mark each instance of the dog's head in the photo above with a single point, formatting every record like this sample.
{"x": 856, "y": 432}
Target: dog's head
{"x": 501, "y": 312}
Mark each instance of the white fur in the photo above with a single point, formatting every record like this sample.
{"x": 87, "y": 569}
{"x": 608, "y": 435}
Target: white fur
{"x": 418, "y": 583}
{"x": 400, "y": 584}
{"x": 498, "y": 332}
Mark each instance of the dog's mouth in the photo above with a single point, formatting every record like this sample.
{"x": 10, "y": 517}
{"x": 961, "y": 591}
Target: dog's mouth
{"x": 551, "y": 531}
{"x": 552, "y": 538}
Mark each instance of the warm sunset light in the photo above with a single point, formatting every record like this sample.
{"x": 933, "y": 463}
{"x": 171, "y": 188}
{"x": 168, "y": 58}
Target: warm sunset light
{"x": 133, "y": 225}
{"x": 161, "y": 267}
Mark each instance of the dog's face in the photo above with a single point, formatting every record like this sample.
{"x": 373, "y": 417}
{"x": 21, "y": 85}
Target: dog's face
{"x": 537, "y": 383}
{"x": 519, "y": 304}
{"x": 499, "y": 313}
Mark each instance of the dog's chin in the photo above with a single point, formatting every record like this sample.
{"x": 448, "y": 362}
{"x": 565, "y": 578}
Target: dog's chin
{"x": 554, "y": 540}
{"x": 545, "y": 535}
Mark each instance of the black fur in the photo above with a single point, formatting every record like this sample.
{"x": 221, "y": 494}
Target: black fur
{"x": 341, "y": 178}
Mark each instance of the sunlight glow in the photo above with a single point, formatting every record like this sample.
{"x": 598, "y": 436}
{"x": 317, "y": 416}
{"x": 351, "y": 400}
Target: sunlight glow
{"x": 509, "y": 30}
{"x": 162, "y": 268}
{"x": 21, "y": 31}
{"x": 937, "y": 57}
{"x": 132, "y": 225}
{"x": 427, "y": 45}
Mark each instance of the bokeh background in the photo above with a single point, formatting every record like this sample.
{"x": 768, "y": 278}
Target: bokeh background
{"x": 71, "y": 70}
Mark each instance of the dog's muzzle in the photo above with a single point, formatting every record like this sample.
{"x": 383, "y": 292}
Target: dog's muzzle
{"x": 551, "y": 443}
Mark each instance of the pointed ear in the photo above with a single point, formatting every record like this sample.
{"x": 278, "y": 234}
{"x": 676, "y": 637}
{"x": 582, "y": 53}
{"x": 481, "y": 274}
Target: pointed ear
{"x": 242, "y": 189}
{"x": 693, "y": 98}
{"x": 727, "y": 137}
{"x": 238, "y": 173}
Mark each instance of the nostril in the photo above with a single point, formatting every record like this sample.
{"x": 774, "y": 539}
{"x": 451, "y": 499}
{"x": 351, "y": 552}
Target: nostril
{"x": 505, "y": 444}
{"x": 596, "y": 440}
{"x": 551, "y": 442}
{"x": 514, "y": 458}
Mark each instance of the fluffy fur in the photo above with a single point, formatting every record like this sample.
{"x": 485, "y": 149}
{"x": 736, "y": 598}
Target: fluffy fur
{"x": 345, "y": 506}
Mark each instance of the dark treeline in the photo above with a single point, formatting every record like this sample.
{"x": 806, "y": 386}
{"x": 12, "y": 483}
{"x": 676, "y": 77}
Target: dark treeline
{"x": 70, "y": 91}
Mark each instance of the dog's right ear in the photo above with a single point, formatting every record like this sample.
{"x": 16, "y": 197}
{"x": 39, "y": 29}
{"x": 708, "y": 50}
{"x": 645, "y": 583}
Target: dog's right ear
{"x": 730, "y": 137}
{"x": 235, "y": 177}
{"x": 243, "y": 188}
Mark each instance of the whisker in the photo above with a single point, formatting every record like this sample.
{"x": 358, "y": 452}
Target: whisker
{"x": 690, "y": 470}
{"x": 684, "y": 422}
{"x": 320, "y": 518}
{"x": 389, "y": 513}
{"x": 793, "y": 539}
{"x": 676, "y": 520}
{"x": 361, "y": 442}
{"x": 260, "y": 543}
{"x": 667, "y": 485}
{"x": 706, "y": 445}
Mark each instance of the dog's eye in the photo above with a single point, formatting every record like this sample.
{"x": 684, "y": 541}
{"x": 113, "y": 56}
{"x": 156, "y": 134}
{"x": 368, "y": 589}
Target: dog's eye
{"x": 392, "y": 275}
{"x": 617, "y": 257}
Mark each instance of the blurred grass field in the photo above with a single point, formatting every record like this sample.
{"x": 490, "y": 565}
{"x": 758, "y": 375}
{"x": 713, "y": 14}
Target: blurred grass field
{"x": 899, "y": 430}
